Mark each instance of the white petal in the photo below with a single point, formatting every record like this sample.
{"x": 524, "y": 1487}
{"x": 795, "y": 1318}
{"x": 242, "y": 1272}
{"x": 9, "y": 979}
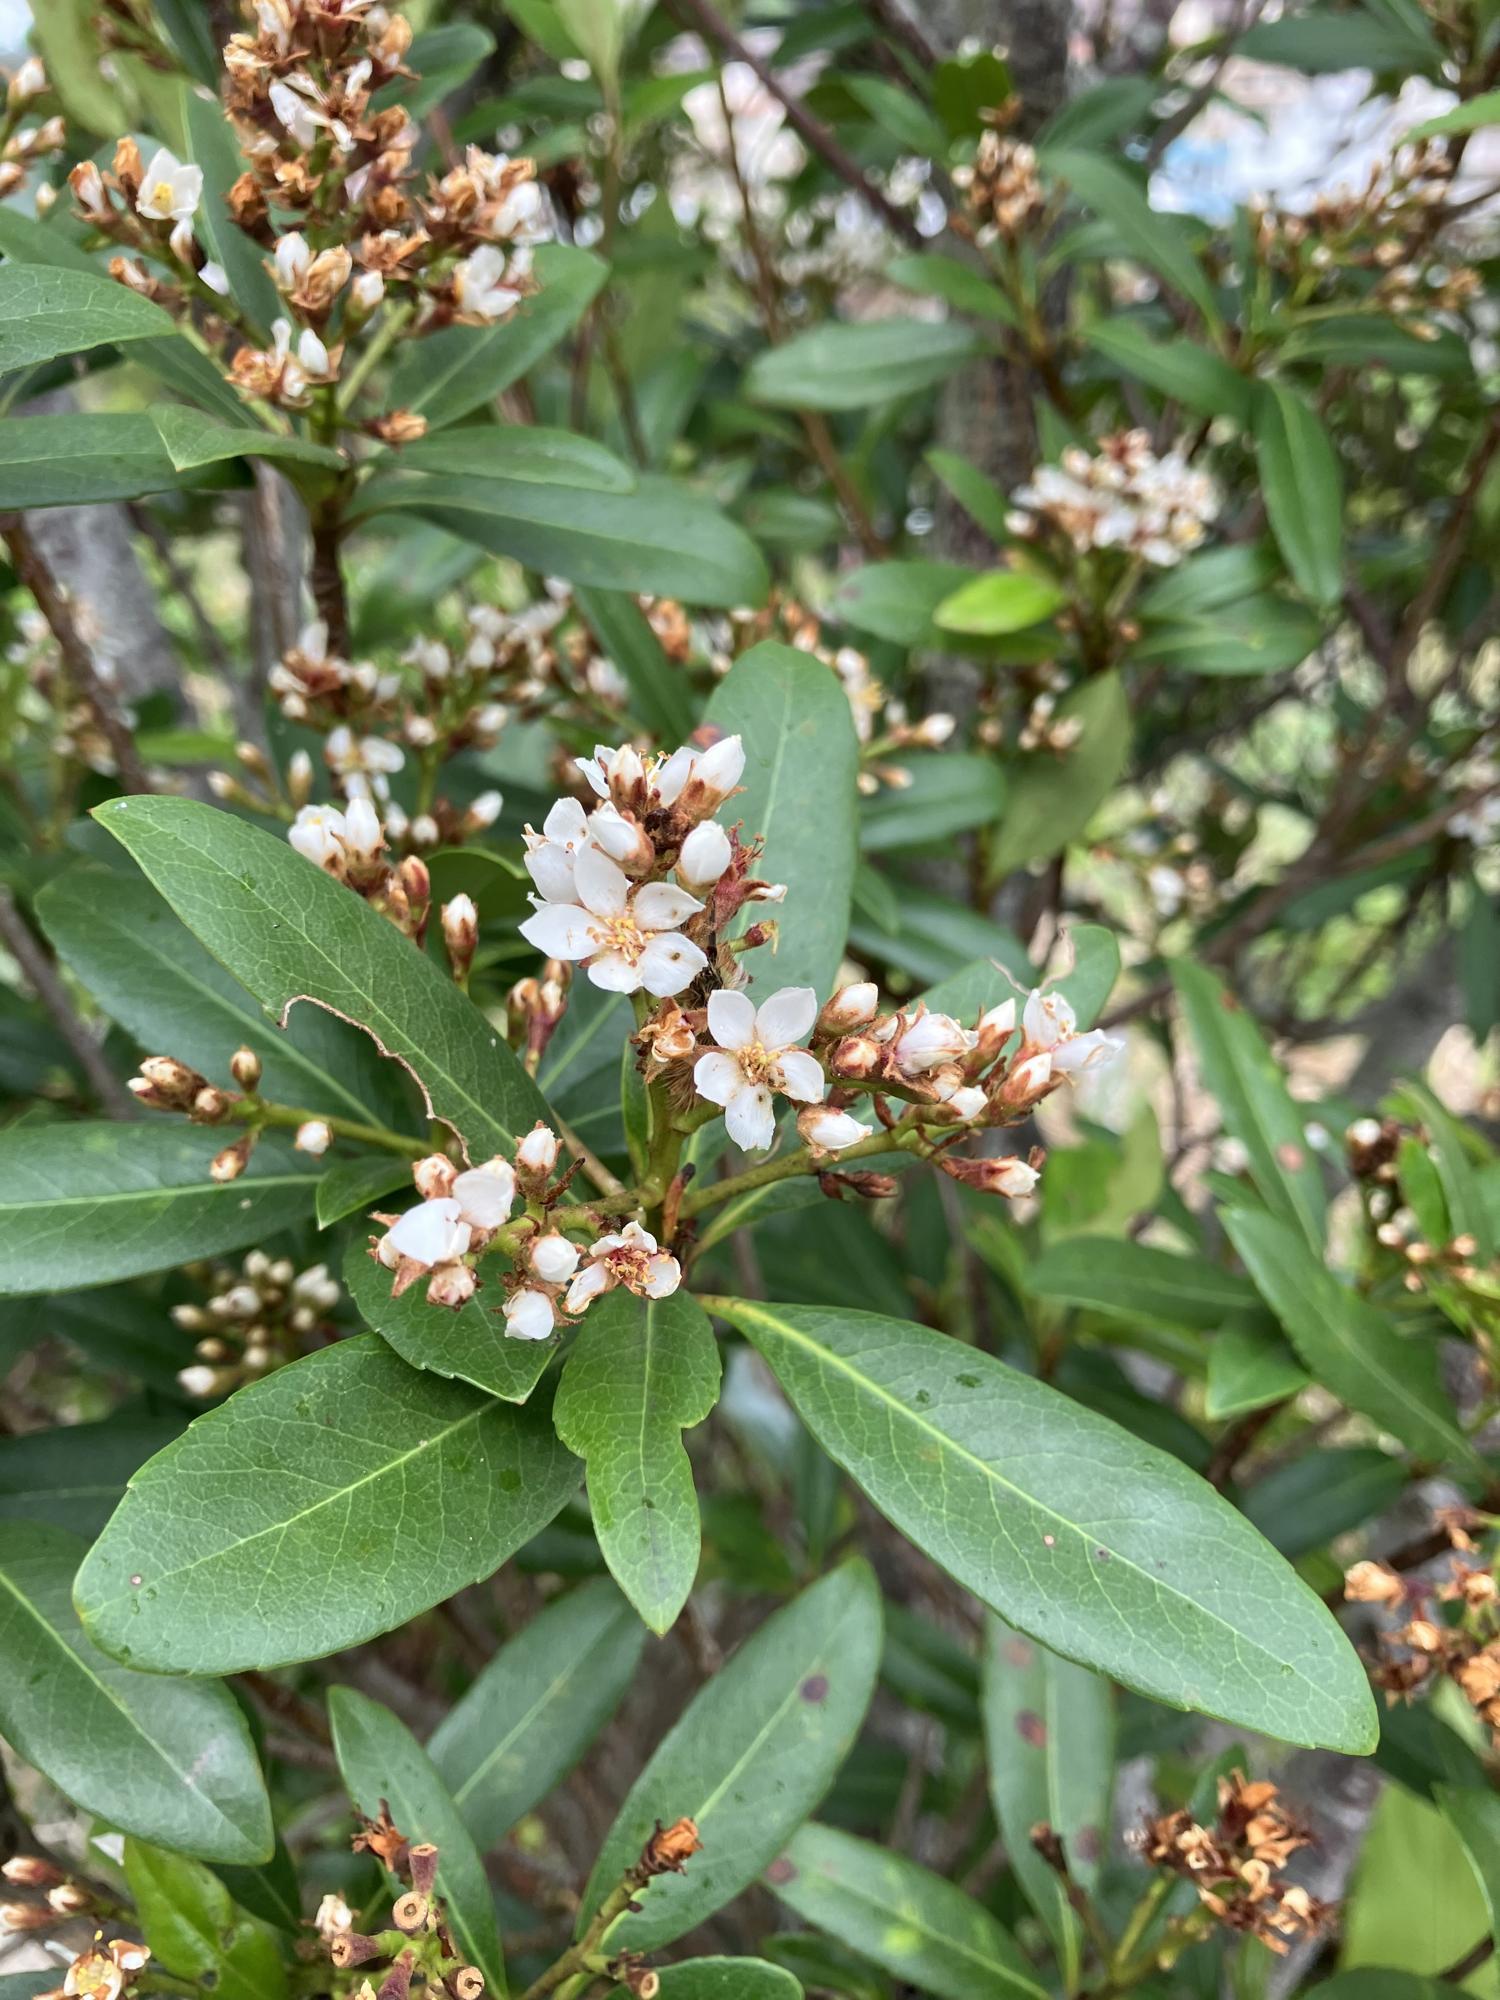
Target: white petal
{"x": 670, "y": 777}
{"x": 802, "y": 1076}
{"x": 553, "y": 1258}
{"x": 560, "y": 930}
{"x": 602, "y": 887}
{"x": 528, "y": 1315}
{"x": 669, "y": 963}
{"x": 718, "y": 1077}
{"x": 665, "y": 1276}
{"x": 590, "y": 1282}
{"x": 731, "y": 1019}
{"x": 486, "y": 1194}
{"x": 660, "y": 907}
{"x": 786, "y": 1017}
{"x": 551, "y": 868}
{"x": 612, "y": 972}
{"x": 706, "y": 853}
{"x": 750, "y": 1118}
{"x": 566, "y": 823}
{"x": 430, "y": 1233}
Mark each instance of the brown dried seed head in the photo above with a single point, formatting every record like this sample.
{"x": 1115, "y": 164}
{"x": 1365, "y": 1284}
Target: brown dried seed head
{"x": 670, "y": 1848}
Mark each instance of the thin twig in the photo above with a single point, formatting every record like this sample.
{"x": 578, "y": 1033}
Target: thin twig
{"x": 43, "y": 977}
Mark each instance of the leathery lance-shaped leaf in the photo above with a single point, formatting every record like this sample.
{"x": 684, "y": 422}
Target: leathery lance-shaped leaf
{"x": 325, "y": 1503}
{"x": 924, "y": 1931}
{"x": 728, "y": 1979}
{"x": 1134, "y": 1282}
{"x": 381, "y": 1759}
{"x": 1155, "y": 240}
{"x": 750, "y": 1758}
{"x": 470, "y": 1345}
{"x": 46, "y": 312}
{"x": 801, "y": 762}
{"x": 170, "y": 1761}
{"x": 192, "y": 1925}
{"x": 289, "y": 932}
{"x": 1350, "y": 1346}
{"x": 152, "y": 976}
{"x": 1049, "y": 1743}
{"x": 74, "y": 1475}
{"x": 1303, "y": 489}
{"x": 87, "y": 1204}
{"x": 536, "y": 1707}
{"x": 1241, "y": 1075}
{"x": 638, "y": 1374}
{"x": 77, "y": 458}
{"x": 660, "y": 693}
{"x": 847, "y": 367}
{"x": 1104, "y": 1548}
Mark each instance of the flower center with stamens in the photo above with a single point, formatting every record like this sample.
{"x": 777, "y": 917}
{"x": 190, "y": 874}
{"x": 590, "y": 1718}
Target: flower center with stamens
{"x": 757, "y": 1064}
{"x": 621, "y": 934}
{"x": 631, "y": 1267}
{"x": 161, "y": 195}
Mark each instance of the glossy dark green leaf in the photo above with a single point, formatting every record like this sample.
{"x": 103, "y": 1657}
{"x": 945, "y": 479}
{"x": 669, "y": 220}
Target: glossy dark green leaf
{"x": 1156, "y": 240}
{"x": 1303, "y": 489}
{"x": 380, "y": 1759}
{"x": 924, "y": 1931}
{"x": 638, "y": 1374}
{"x": 947, "y": 794}
{"x": 533, "y": 1711}
{"x": 74, "y": 1475}
{"x": 1103, "y": 1548}
{"x": 289, "y": 932}
{"x": 1052, "y": 799}
{"x": 171, "y": 1761}
{"x": 801, "y": 760}
{"x": 193, "y": 438}
{"x": 190, "y": 1921}
{"x": 750, "y": 1757}
{"x": 728, "y": 1979}
{"x": 1241, "y": 1076}
{"x": 91, "y": 1203}
{"x": 469, "y": 1345}
{"x": 1351, "y": 1346}
{"x": 46, "y": 312}
{"x": 356, "y": 1493}
{"x": 354, "y": 1187}
{"x": 1308, "y": 1501}
{"x": 1049, "y": 1743}
{"x": 1249, "y": 1365}
{"x": 1131, "y": 1281}
{"x": 660, "y": 690}
{"x": 846, "y": 367}
{"x": 443, "y": 58}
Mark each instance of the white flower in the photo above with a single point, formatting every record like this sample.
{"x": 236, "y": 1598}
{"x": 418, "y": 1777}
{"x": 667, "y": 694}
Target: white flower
{"x": 1048, "y": 1022}
{"x": 313, "y": 1136}
{"x": 215, "y": 277}
{"x": 367, "y": 291}
{"x": 628, "y": 1258}
{"x": 431, "y": 1233}
{"x": 929, "y": 1041}
{"x": 292, "y": 258}
{"x": 486, "y": 1195}
{"x": 828, "y": 1131}
{"x": 334, "y": 1916}
{"x": 625, "y": 937}
{"x": 537, "y": 1152}
{"x": 479, "y": 286}
{"x": 363, "y": 834}
{"x": 1012, "y": 1177}
{"x": 529, "y": 1315}
{"x": 705, "y": 856}
{"x": 364, "y": 763}
{"x": 999, "y": 1020}
{"x": 522, "y": 215}
{"x": 755, "y": 1057}
{"x": 553, "y": 1258}
{"x": 551, "y": 853}
{"x": 170, "y": 190}
{"x": 318, "y": 833}
{"x": 695, "y": 781}
{"x": 622, "y": 837}
{"x": 294, "y": 111}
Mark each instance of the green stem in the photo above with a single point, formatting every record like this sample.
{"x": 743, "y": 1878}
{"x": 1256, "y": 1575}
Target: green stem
{"x": 255, "y": 1112}
{"x": 574, "y": 1966}
{"x": 393, "y": 324}
{"x": 902, "y": 1139}
{"x": 1121, "y": 1971}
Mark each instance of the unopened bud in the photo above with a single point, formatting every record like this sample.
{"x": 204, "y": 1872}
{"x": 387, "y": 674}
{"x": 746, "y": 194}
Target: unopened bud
{"x": 28, "y": 84}
{"x": 483, "y": 812}
{"x": 245, "y": 1068}
{"x": 232, "y": 1162}
{"x": 299, "y": 778}
{"x": 553, "y": 1258}
{"x": 829, "y": 1131}
{"x": 851, "y": 1007}
{"x": 537, "y": 1153}
{"x": 461, "y": 934}
{"x": 198, "y": 1381}
{"x": 67, "y": 1899}
{"x": 314, "y": 1136}
{"x": 705, "y": 856}
{"x": 857, "y": 1055}
{"x": 1009, "y": 1176}
{"x": 173, "y": 1081}
{"x": 211, "y": 1105}
{"x": 434, "y": 1177}
{"x": 1026, "y": 1081}
{"x": 415, "y": 879}
{"x": 30, "y": 1871}
{"x": 26, "y": 1917}
{"x": 451, "y": 1285}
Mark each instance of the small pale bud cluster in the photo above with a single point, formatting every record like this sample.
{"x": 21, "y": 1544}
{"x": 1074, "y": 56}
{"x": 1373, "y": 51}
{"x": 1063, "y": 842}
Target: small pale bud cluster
{"x": 257, "y": 1319}
{"x": 1122, "y": 496}
{"x": 25, "y": 138}
{"x": 1004, "y": 192}
{"x": 1045, "y": 729}
{"x": 60, "y": 1898}
{"x": 351, "y": 847}
{"x": 413, "y": 1957}
{"x": 165, "y": 1084}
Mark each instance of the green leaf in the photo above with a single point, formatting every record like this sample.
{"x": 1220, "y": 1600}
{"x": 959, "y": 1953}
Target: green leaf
{"x": 193, "y": 438}
{"x": 1249, "y": 1366}
{"x": 353, "y": 1186}
{"x": 356, "y": 1493}
{"x": 1448, "y": 1142}
{"x": 73, "y": 1476}
{"x": 469, "y": 1345}
{"x": 726, "y": 1979}
{"x": 960, "y": 284}
{"x": 1049, "y": 1741}
{"x": 89, "y": 1203}
{"x": 527, "y": 453}
{"x": 172, "y": 1762}
{"x": 662, "y": 538}
{"x": 1131, "y": 1281}
{"x": 44, "y": 313}
{"x": 1179, "y": 368}
{"x": 74, "y": 459}
{"x": 1303, "y": 488}
{"x": 380, "y": 1759}
{"x": 1241, "y": 1076}
{"x": 537, "y": 1706}
{"x": 1105, "y": 1549}
{"x": 978, "y": 495}
{"x": 801, "y": 760}
{"x": 1470, "y": 116}
{"x": 190, "y": 1921}
{"x": 1475, "y": 1818}
{"x": 750, "y": 1758}
{"x": 838, "y": 367}
{"x": 1156, "y": 241}
{"x": 289, "y": 932}
{"x": 1007, "y": 600}
{"x": 1349, "y": 1345}
{"x": 213, "y": 147}
{"x": 896, "y": 600}
{"x": 1322, "y": 43}
{"x": 1052, "y": 799}
{"x": 444, "y": 58}
{"x": 1308, "y": 1501}
{"x": 660, "y": 691}
{"x": 1479, "y": 963}
{"x": 152, "y": 976}
{"x": 638, "y": 1374}
{"x": 447, "y": 374}
{"x": 924, "y": 1931}
{"x": 949, "y": 793}
{"x": 1259, "y": 635}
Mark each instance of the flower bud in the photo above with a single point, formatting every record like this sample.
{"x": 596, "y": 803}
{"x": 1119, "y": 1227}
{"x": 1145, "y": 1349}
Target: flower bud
{"x": 416, "y": 883}
{"x": 173, "y": 1081}
{"x": 244, "y": 1067}
{"x": 451, "y": 1285}
{"x": 529, "y": 1315}
{"x": 553, "y": 1258}
{"x": 30, "y": 1871}
{"x": 622, "y": 837}
{"x": 67, "y": 1899}
{"x": 299, "y": 778}
{"x": 460, "y": 934}
{"x": 26, "y": 1917}
{"x": 1027, "y": 1079}
{"x": 996, "y": 1027}
{"x": 366, "y": 292}
{"x": 705, "y": 856}
{"x": 314, "y": 1136}
{"x": 28, "y": 84}
{"x": 930, "y": 1041}
{"x": 87, "y": 184}
{"x": 966, "y": 1103}
{"x": 856, "y": 1055}
{"x": 364, "y": 836}
{"x": 483, "y": 812}
{"x": 232, "y": 1162}
{"x": 715, "y": 774}
{"x": 536, "y": 1155}
{"x": 852, "y": 1007}
{"x": 211, "y": 1105}
{"x": 434, "y": 1177}
{"x": 828, "y": 1131}
{"x": 198, "y": 1381}
{"x": 1009, "y": 1176}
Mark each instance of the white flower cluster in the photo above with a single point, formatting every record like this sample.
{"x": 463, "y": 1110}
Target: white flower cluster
{"x": 1121, "y": 497}
{"x": 553, "y": 1279}
{"x": 254, "y": 1322}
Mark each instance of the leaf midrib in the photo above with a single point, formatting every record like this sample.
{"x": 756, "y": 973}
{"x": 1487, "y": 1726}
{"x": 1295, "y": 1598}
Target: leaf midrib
{"x": 237, "y": 1189}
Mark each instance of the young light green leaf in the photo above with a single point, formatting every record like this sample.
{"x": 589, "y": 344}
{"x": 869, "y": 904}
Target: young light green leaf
{"x": 86, "y": 1204}
{"x": 289, "y": 932}
{"x": 469, "y": 1345}
{"x": 839, "y": 367}
{"x": 1131, "y": 1281}
{"x": 924, "y": 1931}
{"x": 74, "y": 1476}
{"x": 750, "y": 1758}
{"x": 801, "y": 760}
{"x": 1475, "y": 1818}
{"x": 170, "y": 1761}
{"x": 1049, "y": 1742}
{"x": 638, "y": 1374}
{"x": 1350, "y": 1346}
{"x": 1007, "y": 600}
{"x": 534, "y": 1710}
{"x": 1052, "y": 800}
{"x": 44, "y": 313}
{"x": 190, "y": 1921}
{"x": 1469, "y": 116}
{"x": 380, "y": 1759}
{"x": 1241, "y": 1076}
{"x": 378, "y": 1491}
{"x": 1303, "y": 489}
{"x": 1102, "y": 1547}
